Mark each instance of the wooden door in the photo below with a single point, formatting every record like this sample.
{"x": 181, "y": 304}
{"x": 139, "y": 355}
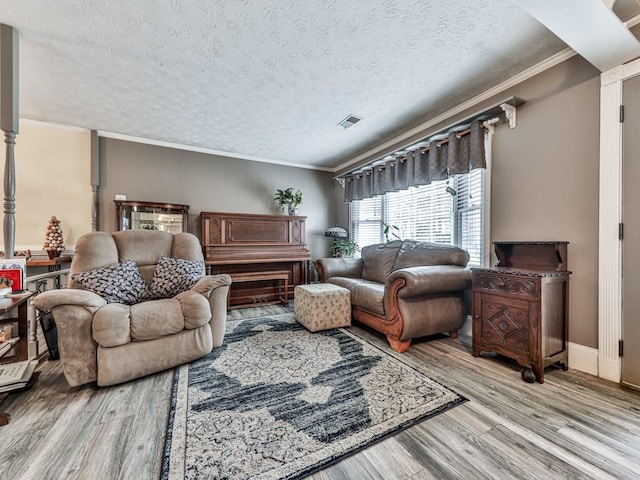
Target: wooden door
{"x": 631, "y": 243}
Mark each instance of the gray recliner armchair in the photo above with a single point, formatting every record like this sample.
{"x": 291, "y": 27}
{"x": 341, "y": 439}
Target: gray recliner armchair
{"x": 138, "y": 303}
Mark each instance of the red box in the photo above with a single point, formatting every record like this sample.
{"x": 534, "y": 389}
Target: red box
{"x": 14, "y": 274}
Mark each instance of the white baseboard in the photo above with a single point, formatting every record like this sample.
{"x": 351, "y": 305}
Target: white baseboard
{"x": 583, "y": 358}
{"x": 610, "y": 369}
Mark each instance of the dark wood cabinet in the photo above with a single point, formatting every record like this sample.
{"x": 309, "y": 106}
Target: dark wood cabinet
{"x": 168, "y": 217}
{"x": 520, "y": 307}
{"x": 235, "y": 243}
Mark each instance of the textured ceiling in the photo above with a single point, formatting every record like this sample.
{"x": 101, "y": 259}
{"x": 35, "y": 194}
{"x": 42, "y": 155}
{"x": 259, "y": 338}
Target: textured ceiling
{"x": 268, "y": 79}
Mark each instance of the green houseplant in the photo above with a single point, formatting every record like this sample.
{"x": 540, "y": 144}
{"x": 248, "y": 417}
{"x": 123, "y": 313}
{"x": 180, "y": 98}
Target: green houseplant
{"x": 289, "y": 198}
{"x": 390, "y": 231}
{"x": 343, "y": 248}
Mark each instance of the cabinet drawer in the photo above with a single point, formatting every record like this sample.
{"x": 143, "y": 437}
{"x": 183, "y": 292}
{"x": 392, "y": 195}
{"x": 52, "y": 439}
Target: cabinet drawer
{"x": 527, "y": 287}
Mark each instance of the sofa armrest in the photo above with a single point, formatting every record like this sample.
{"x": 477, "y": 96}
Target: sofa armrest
{"x": 339, "y": 267}
{"x": 431, "y": 279}
{"x": 68, "y": 296}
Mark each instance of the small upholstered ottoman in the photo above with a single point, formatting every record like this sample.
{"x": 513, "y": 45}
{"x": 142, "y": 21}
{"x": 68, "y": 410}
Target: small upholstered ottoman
{"x": 321, "y": 306}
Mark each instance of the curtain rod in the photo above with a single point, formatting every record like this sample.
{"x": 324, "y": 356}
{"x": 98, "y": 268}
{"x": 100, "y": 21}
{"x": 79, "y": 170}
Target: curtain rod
{"x": 505, "y": 107}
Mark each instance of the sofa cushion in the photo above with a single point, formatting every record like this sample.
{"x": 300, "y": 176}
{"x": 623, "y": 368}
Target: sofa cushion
{"x": 378, "y": 260}
{"x": 195, "y": 309}
{"x": 364, "y": 293}
{"x": 110, "y": 326}
{"x": 93, "y": 250}
{"x": 174, "y": 275}
{"x": 118, "y": 283}
{"x": 368, "y": 296}
{"x": 155, "y": 319}
{"x": 413, "y": 254}
{"x": 116, "y": 324}
{"x": 344, "y": 282}
{"x": 143, "y": 246}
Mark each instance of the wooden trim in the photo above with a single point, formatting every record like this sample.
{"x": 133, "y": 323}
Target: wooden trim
{"x": 610, "y": 215}
{"x": 393, "y": 324}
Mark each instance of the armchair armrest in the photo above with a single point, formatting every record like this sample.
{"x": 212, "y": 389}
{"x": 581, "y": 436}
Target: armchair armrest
{"x": 206, "y": 284}
{"x": 339, "y": 267}
{"x": 431, "y": 279}
{"x": 216, "y": 289}
{"x": 68, "y": 296}
{"x": 73, "y": 310}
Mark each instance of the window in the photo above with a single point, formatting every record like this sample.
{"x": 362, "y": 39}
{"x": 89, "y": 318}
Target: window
{"x": 447, "y": 211}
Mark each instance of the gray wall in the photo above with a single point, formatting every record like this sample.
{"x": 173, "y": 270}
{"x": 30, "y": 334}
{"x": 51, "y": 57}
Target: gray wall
{"x": 545, "y": 187}
{"x": 209, "y": 183}
{"x": 545, "y": 177}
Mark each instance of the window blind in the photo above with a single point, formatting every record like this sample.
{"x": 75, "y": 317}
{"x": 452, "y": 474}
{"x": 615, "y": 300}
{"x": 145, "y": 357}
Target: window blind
{"x": 448, "y": 212}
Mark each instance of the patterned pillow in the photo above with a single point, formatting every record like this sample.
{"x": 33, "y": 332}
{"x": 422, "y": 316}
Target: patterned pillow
{"x": 174, "y": 275}
{"x": 119, "y": 283}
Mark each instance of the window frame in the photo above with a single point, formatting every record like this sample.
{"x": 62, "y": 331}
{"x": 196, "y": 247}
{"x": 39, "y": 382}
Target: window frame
{"x": 456, "y": 231}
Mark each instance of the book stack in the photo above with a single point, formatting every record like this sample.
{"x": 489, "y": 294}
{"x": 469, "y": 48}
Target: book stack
{"x": 8, "y": 345}
{"x": 14, "y": 270}
{"x": 14, "y": 376}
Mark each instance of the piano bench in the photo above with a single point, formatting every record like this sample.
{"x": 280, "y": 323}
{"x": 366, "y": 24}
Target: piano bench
{"x": 282, "y": 276}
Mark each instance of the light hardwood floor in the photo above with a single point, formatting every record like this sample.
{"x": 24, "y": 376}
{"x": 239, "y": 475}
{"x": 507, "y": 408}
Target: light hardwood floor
{"x": 573, "y": 426}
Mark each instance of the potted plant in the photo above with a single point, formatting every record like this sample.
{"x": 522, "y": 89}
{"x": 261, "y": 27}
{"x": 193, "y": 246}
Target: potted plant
{"x": 343, "y": 248}
{"x": 289, "y": 198}
{"x": 390, "y": 231}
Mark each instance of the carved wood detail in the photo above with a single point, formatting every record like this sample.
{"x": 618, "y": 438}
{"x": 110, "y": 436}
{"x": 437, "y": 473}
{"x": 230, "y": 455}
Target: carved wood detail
{"x": 508, "y": 284}
{"x": 296, "y": 232}
{"x": 236, "y": 243}
{"x": 523, "y": 313}
{"x": 215, "y": 230}
{"x": 391, "y": 325}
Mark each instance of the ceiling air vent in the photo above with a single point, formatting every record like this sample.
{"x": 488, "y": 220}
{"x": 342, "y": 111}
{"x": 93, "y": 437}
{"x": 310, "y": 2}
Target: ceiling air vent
{"x": 349, "y": 121}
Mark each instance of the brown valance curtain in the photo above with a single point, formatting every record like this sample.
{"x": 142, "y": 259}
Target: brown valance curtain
{"x": 460, "y": 152}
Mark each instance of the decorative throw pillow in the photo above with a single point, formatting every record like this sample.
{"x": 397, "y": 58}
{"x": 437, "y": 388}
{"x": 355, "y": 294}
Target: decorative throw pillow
{"x": 174, "y": 275}
{"x": 119, "y": 283}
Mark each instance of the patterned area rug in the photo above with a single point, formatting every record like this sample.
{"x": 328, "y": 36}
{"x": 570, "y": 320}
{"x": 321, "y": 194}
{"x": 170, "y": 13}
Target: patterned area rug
{"x": 278, "y": 402}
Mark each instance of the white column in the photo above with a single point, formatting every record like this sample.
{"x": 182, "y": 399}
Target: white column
{"x": 610, "y": 215}
{"x": 9, "y": 124}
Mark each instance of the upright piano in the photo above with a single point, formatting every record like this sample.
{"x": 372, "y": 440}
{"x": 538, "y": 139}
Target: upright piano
{"x": 236, "y": 243}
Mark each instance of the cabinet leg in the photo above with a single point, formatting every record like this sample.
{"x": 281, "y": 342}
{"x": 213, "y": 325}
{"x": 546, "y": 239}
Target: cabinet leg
{"x": 527, "y": 374}
{"x": 539, "y": 374}
{"x": 563, "y": 366}
{"x": 4, "y": 419}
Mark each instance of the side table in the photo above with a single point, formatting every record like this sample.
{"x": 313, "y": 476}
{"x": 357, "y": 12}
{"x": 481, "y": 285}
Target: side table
{"x": 18, "y": 304}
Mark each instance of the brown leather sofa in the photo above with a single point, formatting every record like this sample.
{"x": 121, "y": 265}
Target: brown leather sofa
{"x": 404, "y": 289}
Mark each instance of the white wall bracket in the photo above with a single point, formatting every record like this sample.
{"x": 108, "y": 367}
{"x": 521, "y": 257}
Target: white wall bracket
{"x": 510, "y": 112}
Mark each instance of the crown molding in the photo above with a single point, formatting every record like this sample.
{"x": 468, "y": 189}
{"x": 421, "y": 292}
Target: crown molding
{"x": 40, "y": 123}
{"x": 550, "y": 62}
{"x": 209, "y": 151}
